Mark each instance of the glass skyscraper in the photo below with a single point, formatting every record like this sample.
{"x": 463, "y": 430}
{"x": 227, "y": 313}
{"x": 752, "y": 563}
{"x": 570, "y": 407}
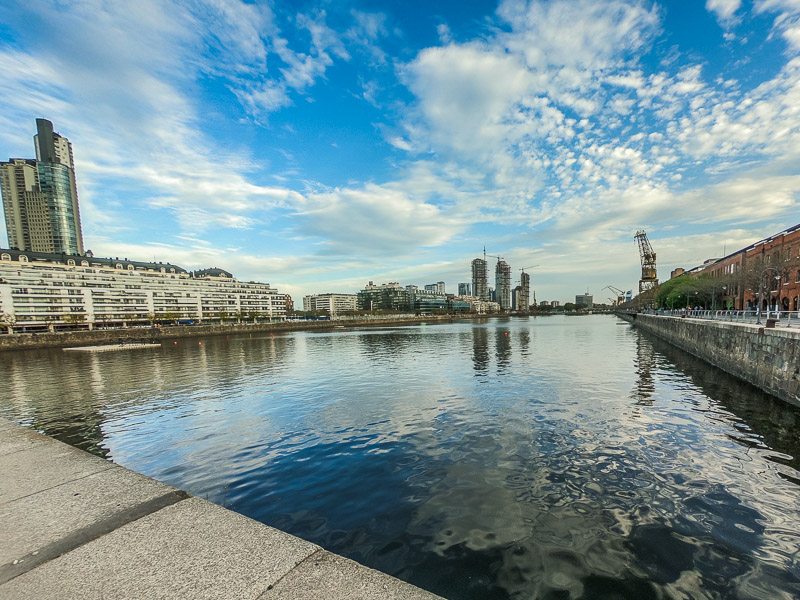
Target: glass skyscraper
{"x": 40, "y": 197}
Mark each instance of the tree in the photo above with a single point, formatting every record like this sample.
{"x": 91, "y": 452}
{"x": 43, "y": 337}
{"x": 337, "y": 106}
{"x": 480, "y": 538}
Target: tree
{"x": 171, "y": 316}
{"x": 569, "y": 307}
{"x": 223, "y": 314}
{"x": 9, "y": 321}
{"x": 74, "y": 318}
{"x": 254, "y": 314}
{"x": 765, "y": 274}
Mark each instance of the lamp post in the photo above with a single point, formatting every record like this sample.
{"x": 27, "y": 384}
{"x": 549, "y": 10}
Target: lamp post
{"x": 687, "y": 299}
{"x": 761, "y": 291}
{"x": 714, "y": 297}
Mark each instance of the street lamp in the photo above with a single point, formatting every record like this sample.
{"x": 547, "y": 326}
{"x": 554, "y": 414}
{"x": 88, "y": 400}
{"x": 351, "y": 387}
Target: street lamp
{"x": 714, "y": 297}
{"x": 687, "y": 298}
{"x": 761, "y": 290}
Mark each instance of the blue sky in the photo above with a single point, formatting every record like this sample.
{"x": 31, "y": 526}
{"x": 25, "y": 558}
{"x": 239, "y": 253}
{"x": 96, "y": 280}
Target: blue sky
{"x": 319, "y": 145}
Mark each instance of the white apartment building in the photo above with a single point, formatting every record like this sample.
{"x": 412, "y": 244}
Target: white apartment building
{"x": 333, "y": 304}
{"x": 39, "y": 291}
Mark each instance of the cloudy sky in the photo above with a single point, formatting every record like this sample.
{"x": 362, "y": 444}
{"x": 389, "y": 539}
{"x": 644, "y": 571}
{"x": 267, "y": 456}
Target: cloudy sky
{"x": 319, "y": 145}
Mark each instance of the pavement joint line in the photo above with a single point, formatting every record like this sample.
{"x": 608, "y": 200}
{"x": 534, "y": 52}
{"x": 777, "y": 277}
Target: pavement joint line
{"x": 297, "y": 566}
{"x": 87, "y": 534}
{"x": 58, "y": 485}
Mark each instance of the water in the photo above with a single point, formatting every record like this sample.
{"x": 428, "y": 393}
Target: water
{"x": 560, "y": 457}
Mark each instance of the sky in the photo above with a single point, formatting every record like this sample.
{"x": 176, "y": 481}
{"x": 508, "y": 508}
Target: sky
{"x": 317, "y": 146}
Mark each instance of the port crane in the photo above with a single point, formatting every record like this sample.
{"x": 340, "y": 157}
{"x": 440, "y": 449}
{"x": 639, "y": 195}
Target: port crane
{"x": 648, "y": 284}
{"x": 649, "y": 278}
{"x": 620, "y": 294}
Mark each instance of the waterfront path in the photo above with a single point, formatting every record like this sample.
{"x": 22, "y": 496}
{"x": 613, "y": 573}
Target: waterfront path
{"x": 73, "y": 525}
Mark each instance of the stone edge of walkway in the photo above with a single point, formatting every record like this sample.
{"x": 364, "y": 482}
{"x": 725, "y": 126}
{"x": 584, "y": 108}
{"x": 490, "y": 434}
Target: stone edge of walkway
{"x": 165, "y": 544}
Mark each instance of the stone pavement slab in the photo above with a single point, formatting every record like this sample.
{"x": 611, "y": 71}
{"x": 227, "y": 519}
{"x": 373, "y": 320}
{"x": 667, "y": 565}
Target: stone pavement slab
{"x": 14, "y": 438}
{"x": 192, "y": 549}
{"x": 43, "y": 466}
{"x": 331, "y": 577}
{"x": 31, "y": 523}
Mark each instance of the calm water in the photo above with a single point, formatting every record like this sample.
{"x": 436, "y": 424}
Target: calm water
{"x": 524, "y": 458}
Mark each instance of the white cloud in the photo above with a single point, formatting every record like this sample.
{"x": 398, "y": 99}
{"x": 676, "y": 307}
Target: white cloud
{"x": 375, "y": 220}
{"x": 723, "y": 9}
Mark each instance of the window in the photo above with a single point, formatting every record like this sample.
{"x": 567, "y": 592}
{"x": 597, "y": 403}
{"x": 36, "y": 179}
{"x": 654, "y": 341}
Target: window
{"x": 5, "y": 256}
{"x": 84, "y": 263}
{"x": 23, "y": 258}
{"x": 130, "y": 267}
{"x": 798, "y": 276}
{"x": 118, "y": 266}
{"x": 70, "y": 262}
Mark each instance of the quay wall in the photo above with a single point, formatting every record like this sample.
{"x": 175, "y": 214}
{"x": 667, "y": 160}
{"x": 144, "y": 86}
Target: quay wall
{"x": 67, "y": 339}
{"x": 766, "y": 358}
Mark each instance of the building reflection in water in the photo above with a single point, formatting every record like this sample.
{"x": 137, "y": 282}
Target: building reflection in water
{"x": 480, "y": 349}
{"x": 502, "y": 340}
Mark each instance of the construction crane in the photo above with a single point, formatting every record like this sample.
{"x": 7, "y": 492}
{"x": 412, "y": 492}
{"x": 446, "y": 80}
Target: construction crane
{"x": 649, "y": 280}
{"x": 533, "y": 267}
{"x": 620, "y": 294}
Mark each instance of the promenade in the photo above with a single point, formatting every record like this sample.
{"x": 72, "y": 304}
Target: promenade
{"x": 73, "y": 525}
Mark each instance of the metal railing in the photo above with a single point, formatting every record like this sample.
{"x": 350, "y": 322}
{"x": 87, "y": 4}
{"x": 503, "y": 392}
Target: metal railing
{"x": 782, "y": 318}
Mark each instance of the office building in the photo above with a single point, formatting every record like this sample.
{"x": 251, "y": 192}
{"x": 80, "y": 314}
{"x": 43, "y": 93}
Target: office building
{"x": 333, "y": 304}
{"x": 437, "y": 287}
{"x": 40, "y": 197}
{"x": 480, "y": 284}
{"x": 502, "y": 274}
{"x": 464, "y": 289}
{"x": 584, "y": 300}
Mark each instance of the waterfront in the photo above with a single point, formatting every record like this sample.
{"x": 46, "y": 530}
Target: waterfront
{"x": 526, "y": 458}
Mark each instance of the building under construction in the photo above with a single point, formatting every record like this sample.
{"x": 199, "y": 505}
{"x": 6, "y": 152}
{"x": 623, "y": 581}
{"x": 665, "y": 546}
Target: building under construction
{"x": 480, "y": 285}
{"x": 502, "y": 278}
{"x": 524, "y": 295}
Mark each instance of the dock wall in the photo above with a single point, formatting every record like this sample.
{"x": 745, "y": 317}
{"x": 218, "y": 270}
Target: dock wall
{"x": 65, "y": 339}
{"x": 766, "y": 358}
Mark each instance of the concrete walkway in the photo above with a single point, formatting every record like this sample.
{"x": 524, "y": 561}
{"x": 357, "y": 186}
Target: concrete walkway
{"x": 73, "y": 525}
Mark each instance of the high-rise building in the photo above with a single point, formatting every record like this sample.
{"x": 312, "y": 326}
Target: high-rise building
{"x": 40, "y": 197}
{"x": 524, "y": 295}
{"x": 480, "y": 285}
{"x": 584, "y": 300}
{"x": 464, "y": 289}
{"x": 502, "y": 280}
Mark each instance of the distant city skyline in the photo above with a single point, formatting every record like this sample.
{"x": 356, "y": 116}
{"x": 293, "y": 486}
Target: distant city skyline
{"x": 318, "y": 146}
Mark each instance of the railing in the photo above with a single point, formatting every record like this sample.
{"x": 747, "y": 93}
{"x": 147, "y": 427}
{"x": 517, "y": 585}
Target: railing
{"x": 783, "y": 318}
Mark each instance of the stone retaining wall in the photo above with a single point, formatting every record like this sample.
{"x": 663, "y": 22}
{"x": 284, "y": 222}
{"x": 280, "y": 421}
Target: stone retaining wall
{"x": 64, "y": 339}
{"x": 766, "y": 358}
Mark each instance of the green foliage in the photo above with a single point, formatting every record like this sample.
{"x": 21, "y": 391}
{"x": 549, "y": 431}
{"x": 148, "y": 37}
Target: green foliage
{"x": 685, "y": 290}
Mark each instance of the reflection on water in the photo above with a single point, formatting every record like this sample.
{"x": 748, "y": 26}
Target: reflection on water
{"x": 508, "y": 458}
